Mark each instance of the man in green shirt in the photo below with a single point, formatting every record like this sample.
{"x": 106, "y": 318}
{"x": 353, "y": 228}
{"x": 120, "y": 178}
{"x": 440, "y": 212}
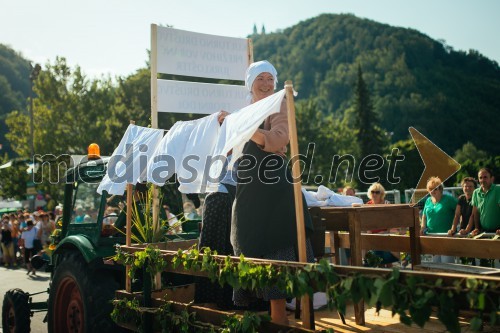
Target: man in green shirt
{"x": 486, "y": 204}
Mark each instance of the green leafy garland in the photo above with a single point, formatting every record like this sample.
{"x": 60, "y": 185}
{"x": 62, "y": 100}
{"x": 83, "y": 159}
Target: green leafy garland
{"x": 150, "y": 258}
{"x": 412, "y": 299}
{"x": 129, "y": 312}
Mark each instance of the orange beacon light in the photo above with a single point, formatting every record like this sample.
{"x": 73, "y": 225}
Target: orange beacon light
{"x": 93, "y": 152}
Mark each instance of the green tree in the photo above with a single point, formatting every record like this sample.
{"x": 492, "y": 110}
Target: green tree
{"x": 133, "y": 102}
{"x": 469, "y": 152}
{"x": 366, "y": 120}
{"x": 69, "y": 112}
{"x": 410, "y": 169}
{"x": 324, "y": 136}
{"x": 13, "y": 179}
{"x": 470, "y": 168}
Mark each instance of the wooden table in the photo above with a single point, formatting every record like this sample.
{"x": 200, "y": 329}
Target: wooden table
{"x": 364, "y": 218}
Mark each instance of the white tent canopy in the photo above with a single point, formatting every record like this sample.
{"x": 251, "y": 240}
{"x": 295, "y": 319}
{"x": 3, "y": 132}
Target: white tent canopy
{"x": 10, "y": 204}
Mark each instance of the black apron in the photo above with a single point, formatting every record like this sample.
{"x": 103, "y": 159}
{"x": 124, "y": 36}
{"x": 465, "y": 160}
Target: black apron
{"x": 263, "y": 219}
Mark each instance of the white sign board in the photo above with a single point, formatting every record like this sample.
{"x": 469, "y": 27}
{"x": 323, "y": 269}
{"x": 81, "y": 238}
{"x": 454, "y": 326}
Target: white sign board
{"x": 204, "y": 98}
{"x": 195, "y": 54}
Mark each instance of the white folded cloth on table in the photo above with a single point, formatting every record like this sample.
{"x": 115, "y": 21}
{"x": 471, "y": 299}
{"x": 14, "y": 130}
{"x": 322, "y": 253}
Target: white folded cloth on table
{"x": 326, "y": 197}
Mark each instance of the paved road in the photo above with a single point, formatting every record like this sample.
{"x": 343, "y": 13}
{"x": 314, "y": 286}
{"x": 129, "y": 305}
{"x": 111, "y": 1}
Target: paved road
{"x": 17, "y": 278}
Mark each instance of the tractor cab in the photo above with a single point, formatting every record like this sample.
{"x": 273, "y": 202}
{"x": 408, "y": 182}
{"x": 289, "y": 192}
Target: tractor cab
{"x": 87, "y": 221}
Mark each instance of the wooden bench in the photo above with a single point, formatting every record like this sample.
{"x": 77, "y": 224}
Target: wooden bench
{"x": 451, "y": 246}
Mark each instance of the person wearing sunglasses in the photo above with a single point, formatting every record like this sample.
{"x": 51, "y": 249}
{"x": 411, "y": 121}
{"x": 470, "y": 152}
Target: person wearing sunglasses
{"x": 376, "y": 194}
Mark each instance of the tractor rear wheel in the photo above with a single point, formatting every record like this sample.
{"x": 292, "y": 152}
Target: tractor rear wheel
{"x": 80, "y": 298}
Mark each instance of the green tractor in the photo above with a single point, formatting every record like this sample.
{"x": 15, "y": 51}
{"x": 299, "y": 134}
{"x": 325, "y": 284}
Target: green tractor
{"x": 83, "y": 278}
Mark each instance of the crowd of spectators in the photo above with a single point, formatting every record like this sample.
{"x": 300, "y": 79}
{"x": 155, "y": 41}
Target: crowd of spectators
{"x": 25, "y": 234}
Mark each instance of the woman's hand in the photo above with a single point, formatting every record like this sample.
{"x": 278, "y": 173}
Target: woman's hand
{"x": 475, "y": 232}
{"x": 222, "y": 115}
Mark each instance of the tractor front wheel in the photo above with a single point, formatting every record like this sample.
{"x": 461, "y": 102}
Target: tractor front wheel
{"x": 16, "y": 312}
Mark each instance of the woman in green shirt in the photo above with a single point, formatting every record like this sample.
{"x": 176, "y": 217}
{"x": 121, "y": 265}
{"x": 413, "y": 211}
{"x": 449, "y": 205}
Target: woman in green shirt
{"x": 438, "y": 213}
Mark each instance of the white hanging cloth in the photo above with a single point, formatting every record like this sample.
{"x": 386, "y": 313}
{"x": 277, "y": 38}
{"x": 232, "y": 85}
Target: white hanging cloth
{"x": 186, "y": 150}
{"x": 128, "y": 162}
{"x": 239, "y": 126}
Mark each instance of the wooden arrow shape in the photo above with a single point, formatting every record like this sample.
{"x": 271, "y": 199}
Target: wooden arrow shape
{"x": 437, "y": 164}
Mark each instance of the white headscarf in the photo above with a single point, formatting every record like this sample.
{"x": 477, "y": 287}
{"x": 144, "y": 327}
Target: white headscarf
{"x": 254, "y": 70}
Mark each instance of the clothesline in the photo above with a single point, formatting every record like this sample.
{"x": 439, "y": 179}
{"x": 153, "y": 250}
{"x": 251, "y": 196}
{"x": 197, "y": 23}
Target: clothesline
{"x": 185, "y": 149}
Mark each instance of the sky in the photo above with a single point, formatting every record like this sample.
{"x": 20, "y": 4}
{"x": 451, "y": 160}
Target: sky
{"x": 111, "y": 37}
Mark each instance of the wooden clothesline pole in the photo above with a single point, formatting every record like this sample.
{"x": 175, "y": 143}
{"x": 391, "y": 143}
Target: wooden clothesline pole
{"x": 299, "y": 207}
{"x": 128, "y": 230}
{"x": 154, "y": 107}
{"x": 154, "y": 124}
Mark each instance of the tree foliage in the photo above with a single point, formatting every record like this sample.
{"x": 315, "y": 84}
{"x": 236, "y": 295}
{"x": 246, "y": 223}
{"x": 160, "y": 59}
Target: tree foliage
{"x": 320, "y": 137}
{"x": 13, "y": 180}
{"x": 472, "y": 160}
{"x": 368, "y": 133}
{"x": 69, "y": 112}
{"x": 469, "y": 152}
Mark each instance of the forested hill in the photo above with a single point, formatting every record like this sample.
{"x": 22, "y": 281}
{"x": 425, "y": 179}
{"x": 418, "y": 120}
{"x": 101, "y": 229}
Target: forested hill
{"x": 14, "y": 87}
{"x": 450, "y": 96}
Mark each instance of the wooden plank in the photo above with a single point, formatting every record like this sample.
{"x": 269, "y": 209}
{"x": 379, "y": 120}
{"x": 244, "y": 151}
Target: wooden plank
{"x": 184, "y": 244}
{"x": 466, "y": 269}
{"x": 415, "y": 238}
{"x": 171, "y": 245}
{"x": 336, "y": 222}
{"x": 372, "y": 216}
{"x": 385, "y": 219}
{"x": 383, "y": 242}
{"x": 331, "y": 209}
{"x": 335, "y": 241}
{"x": 356, "y": 258}
{"x": 461, "y": 247}
{"x": 354, "y": 234}
{"x": 319, "y": 238}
